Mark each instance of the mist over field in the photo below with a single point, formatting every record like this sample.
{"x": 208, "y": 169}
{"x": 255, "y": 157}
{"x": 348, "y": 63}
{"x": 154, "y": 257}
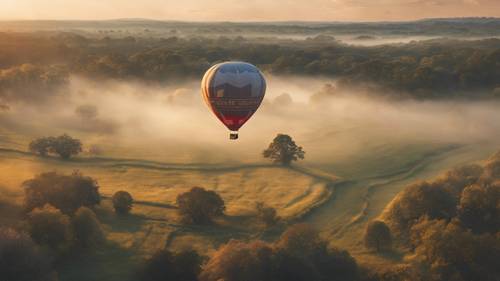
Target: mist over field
{"x": 334, "y": 123}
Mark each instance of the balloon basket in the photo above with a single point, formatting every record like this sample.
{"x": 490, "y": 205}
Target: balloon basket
{"x": 233, "y": 135}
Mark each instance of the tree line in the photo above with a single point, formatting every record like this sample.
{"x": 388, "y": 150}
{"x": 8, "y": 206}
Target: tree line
{"x": 427, "y": 69}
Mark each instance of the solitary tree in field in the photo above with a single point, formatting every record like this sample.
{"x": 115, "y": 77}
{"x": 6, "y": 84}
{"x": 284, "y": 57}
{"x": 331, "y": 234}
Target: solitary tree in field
{"x": 122, "y": 202}
{"x": 199, "y": 205}
{"x": 378, "y": 236}
{"x": 65, "y": 146}
{"x": 283, "y": 150}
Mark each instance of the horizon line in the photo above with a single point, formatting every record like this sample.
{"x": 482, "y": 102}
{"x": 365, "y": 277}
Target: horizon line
{"x": 250, "y": 21}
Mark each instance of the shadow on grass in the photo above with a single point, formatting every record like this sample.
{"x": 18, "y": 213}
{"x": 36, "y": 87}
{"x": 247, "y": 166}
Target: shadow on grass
{"x": 392, "y": 255}
{"x": 219, "y": 232}
{"x": 109, "y": 262}
{"x": 11, "y": 212}
{"x": 121, "y": 223}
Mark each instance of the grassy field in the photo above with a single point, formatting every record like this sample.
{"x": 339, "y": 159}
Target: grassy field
{"x": 154, "y": 223}
{"x": 338, "y": 195}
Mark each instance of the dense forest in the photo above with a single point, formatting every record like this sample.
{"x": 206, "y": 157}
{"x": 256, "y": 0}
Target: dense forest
{"x": 436, "y": 68}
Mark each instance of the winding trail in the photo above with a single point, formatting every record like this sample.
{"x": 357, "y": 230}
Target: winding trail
{"x": 358, "y": 200}
{"x": 341, "y": 215}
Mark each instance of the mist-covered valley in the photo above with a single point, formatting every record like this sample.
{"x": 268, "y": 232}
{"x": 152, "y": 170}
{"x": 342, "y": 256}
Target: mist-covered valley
{"x": 335, "y": 123}
{"x": 397, "y": 125}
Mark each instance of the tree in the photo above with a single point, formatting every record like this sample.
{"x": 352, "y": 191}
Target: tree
{"x": 165, "y": 265}
{"x": 65, "y": 146}
{"x": 40, "y": 146}
{"x": 378, "y": 236}
{"x": 303, "y": 255}
{"x": 459, "y": 178}
{"x": 200, "y": 206}
{"x": 450, "y": 242}
{"x": 294, "y": 257}
{"x": 49, "y": 227}
{"x": 65, "y": 192}
{"x": 266, "y": 214}
{"x": 418, "y": 200}
{"x": 283, "y": 150}
{"x": 122, "y": 202}
{"x": 454, "y": 253}
{"x": 479, "y": 207}
{"x": 22, "y": 260}
{"x": 240, "y": 261}
{"x": 300, "y": 239}
{"x": 87, "y": 229}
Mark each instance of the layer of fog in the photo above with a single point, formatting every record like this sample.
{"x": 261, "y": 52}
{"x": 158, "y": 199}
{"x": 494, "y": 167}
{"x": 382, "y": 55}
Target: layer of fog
{"x": 172, "y": 124}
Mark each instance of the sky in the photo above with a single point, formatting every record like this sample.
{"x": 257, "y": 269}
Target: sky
{"x": 248, "y": 10}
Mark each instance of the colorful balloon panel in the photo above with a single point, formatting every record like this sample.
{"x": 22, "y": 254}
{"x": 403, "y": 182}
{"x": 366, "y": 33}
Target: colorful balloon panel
{"x": 233, "y": 91}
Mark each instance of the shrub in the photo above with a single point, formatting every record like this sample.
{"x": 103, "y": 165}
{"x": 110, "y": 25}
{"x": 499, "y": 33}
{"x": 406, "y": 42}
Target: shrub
{"x": 49, "y": 227}
{"x": 65, "y": 192}
{"x": 22, "y": 260}
{"x": 266, "y": 214}
{"x": 283, "y": 150}
{"x": 378, "y": 236}
{"x": 122, "y": 202}
{"x": 199, "y": 205}
{"x": 164, "y": 265}
{"x": 87, "y": 229}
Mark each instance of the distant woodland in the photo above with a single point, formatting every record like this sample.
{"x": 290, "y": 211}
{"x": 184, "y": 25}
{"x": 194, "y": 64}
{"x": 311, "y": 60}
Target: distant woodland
{"x": 437, "y": 68}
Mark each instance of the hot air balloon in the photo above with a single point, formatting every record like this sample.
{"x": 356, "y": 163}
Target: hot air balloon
{"x": 233, "y": 91}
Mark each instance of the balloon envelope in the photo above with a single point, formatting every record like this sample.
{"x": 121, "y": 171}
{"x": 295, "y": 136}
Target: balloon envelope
{"x": 233, "y": 91}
